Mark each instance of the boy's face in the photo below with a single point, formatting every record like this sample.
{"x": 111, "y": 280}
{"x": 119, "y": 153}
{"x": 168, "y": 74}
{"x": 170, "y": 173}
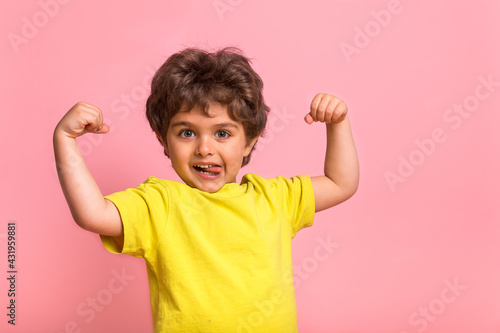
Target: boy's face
{"x": 206, "y": 152}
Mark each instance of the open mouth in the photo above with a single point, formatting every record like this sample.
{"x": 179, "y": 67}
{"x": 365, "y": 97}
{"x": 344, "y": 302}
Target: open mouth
{"x": 210, "y": 170}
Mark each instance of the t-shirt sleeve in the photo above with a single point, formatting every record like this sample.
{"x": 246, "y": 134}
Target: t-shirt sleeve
{"x": 303, "y": 200}
{"x": 143, "y": 212}
{"x": 297, "y": 199}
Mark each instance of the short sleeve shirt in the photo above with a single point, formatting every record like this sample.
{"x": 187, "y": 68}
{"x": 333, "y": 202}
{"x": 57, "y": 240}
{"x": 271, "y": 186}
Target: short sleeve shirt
{"x": 217, "y": 262}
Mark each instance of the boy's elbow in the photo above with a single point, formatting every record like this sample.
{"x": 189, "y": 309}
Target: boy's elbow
{"x": 106, "y": 226}
{"x": 352, "y": 187}
{"x": 349, "y": 185}
{"x": 101, "y": 227}
{"x": 333, "y": 193}
{"x": 350, "y": 191}
{"x": 87, "y": 222}
{"x": 103, "y": 221}
{"x": 345, "y": 192}
{"x": 84, "y": 222}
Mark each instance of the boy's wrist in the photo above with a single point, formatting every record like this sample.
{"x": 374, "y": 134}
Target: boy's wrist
{"x": 337, "y": 123}
{"x": 61, "y": 136}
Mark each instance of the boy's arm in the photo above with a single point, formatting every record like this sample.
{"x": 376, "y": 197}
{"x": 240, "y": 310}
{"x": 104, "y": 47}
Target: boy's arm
{"x": 341, "y": 177}
{"x": 89, "y": 208}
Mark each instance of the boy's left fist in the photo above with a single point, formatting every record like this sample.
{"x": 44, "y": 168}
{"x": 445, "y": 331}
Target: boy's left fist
{"x": 327, "y": 109}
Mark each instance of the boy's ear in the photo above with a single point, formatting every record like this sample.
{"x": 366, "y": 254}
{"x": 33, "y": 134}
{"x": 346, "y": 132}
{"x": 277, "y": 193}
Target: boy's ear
{"x": 165, "y": 147}
{"x": 248, "y": 148}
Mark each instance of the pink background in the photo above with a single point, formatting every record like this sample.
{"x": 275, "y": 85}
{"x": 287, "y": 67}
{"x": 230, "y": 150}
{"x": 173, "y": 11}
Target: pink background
{"x": 400, "y": 65}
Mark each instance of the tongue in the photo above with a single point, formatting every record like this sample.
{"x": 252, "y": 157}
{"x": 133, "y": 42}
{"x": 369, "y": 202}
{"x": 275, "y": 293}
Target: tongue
{"x": 214, "y": 169}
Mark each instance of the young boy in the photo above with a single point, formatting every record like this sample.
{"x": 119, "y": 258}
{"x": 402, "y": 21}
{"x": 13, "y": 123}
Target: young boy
{"x": 218, "y": 253}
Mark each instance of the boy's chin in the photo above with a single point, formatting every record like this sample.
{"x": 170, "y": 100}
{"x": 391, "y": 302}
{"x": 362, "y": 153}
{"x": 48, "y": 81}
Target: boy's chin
{"x": 209, "y": 187}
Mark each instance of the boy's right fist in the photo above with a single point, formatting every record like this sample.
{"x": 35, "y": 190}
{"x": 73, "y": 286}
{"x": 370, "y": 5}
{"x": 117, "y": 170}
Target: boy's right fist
{"x": 80, "y": 119}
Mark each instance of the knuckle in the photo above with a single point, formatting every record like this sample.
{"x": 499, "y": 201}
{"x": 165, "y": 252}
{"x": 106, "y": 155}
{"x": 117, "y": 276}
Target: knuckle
{"x": 338, "y": 115}
{"x": 343, "y": 107}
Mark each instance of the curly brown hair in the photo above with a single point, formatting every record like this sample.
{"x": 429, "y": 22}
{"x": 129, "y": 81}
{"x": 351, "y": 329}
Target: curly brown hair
{"x": 195, "y": 78}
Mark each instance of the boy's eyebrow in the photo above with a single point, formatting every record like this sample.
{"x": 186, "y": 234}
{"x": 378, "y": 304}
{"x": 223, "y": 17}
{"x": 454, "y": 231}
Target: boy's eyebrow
{"x": 181, "y": 123}
{"x": 226, "y": 125}
{"x": 188, "y": 124}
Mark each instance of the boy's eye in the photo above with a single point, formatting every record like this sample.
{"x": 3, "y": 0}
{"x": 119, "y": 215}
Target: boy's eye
{"x": 186, "y": 133}
{"x": 222, "y": 134}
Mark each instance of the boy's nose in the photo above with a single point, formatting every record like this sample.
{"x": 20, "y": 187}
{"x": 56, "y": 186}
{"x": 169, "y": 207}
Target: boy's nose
{"x": 204, "y": 147}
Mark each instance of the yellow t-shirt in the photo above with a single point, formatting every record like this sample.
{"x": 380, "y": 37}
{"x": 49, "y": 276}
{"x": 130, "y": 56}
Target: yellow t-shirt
{"x": 217, "y": 262}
